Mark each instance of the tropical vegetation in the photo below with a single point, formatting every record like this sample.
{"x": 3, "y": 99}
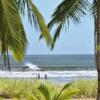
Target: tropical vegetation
{"x": 45, "y": 90}
{"x": 72, "y": 11}
{"x": 12, "y": 34}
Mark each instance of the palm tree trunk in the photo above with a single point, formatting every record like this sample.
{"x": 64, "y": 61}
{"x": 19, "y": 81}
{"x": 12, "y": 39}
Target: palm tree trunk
{"x": 98, "y": 51}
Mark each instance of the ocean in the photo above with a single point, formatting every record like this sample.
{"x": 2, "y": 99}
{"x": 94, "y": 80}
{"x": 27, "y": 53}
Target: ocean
{"x": 56, "y": 68}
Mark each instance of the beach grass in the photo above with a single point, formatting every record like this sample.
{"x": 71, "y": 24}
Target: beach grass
{"x": 88, "y": 88}
{"x": 25, "y": 89}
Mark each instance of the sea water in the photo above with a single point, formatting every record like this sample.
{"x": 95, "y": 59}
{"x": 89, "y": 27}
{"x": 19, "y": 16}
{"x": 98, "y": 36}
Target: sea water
{"x": 57, "y": 68}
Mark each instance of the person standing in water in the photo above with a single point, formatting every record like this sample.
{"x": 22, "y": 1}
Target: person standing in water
{"x": 38, "y": 76}
{"x": 45, "y": 76}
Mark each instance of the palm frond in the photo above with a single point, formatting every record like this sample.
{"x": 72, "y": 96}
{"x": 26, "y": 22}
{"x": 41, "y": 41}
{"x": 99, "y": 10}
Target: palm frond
{"x": 41, "y": 23}
{"x": 32, "y": 97}
{"x": 68, "y": 10}
{"x": 93, "y": 7}
{"x": 67, "y": 94}
{"x": 35, "y": 18}
{"x": 44, "y": 91}
{"x": 66, "y": 86}
{"x": 12, "y": 33}
{"x": 56, "y": 35}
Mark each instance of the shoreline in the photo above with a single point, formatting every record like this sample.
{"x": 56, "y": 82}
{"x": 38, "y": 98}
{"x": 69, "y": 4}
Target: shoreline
{"x": 60, "y": 77}
{"x": 48, "y": 73}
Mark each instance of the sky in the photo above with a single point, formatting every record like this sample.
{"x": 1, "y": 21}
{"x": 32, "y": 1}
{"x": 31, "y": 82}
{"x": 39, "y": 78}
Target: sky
{"x": 77, "y": 39}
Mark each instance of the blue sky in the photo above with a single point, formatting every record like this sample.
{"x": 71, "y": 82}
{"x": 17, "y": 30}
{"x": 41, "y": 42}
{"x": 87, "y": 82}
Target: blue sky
{"x": 77, "y": 39}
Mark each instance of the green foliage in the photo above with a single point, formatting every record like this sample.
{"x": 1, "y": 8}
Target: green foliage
{"x": 88, "y": 88}
{"x": 69, "y": 11}
{"x": 37, "y": 90}
{"x": 12, "y": 33}
{"x": 34, "y": 17}
{"x": 44, "y": 91}
{"x": 64, "y": 94}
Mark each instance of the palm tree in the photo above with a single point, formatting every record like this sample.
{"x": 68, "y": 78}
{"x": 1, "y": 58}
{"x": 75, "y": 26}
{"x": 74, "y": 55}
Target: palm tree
{"x": 12, "y": 33}
{"x": 73, "y": 10}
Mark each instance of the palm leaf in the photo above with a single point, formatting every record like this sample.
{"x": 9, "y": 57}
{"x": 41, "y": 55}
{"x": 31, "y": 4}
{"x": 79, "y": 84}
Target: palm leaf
{"x": 41, "y": 23}
{"x": 12, "y": 33}
{"x": 66, "y": 86}
{"x": 57, "y": 33}
{"x": 93, "y": 7}
{"x": 67, "y": 94}
{"x": 68, "y": 10}
{"x": 44, "y": 91}
{"x": 32, "y": 97}
{"x": 35, "y": 18}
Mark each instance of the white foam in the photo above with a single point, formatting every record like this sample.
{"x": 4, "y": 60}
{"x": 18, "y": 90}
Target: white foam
{"x": 32, "y": 66}
{"x": 48, "y": 73}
